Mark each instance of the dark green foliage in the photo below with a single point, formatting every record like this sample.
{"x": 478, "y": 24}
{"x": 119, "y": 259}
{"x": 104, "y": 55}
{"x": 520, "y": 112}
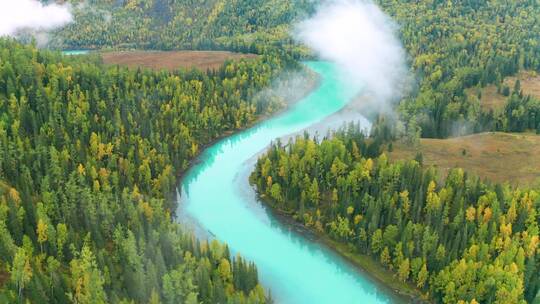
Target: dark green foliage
{"x": 521, "y": 113}
{"x": 505, "y": 90}
{"x": 238, "y": 25}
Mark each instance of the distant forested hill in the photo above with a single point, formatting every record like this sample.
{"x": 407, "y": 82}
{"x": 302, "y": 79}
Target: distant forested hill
{"x": 243, "y": 25}
{"x": 453, "y": 45}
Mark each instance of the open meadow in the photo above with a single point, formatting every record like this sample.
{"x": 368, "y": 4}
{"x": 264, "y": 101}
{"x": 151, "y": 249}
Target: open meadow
{"x": 171, "y": 60}
{"x": 499, "y": 157}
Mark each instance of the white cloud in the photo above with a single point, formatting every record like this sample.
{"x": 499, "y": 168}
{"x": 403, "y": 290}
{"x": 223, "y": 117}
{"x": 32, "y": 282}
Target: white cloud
{"x": 18, "y": 15}
{"x": 362, "y": 41}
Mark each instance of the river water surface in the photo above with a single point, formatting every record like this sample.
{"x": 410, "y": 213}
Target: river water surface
{"x": 217, "y": 198}
{"x": 75, "y": 52}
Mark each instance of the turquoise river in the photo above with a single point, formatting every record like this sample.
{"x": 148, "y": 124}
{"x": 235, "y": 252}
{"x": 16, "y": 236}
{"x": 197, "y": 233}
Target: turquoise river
{"x": 217, "y": 198}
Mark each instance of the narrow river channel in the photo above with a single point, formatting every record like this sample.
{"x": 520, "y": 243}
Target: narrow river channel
{"x": 216, "y": 196}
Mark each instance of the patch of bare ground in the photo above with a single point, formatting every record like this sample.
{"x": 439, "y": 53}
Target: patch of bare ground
{"x": 492, "y": 100}
{"x": 4, "y": 277}
{"x": 498, "y": 157}
{"x": 171, "y": 60}
{"x": 530, "y": 82}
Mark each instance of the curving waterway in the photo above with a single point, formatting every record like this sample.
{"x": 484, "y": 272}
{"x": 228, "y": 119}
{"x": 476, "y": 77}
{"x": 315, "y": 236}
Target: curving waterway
{"x": 75, "y": 52}
{"x": 217, "y": 199}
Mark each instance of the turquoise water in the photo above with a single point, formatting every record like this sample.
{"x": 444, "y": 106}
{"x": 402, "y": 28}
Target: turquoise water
{"x": 217, "y": 197}
{"x": 75, "y": 52}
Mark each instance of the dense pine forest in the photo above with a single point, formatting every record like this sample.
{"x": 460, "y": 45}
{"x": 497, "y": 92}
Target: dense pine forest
{"x": 88, "y": 173}
{"x": 454, "y": 45}
{"x": 239, "y": 25}
{"x": 457, "y": 239}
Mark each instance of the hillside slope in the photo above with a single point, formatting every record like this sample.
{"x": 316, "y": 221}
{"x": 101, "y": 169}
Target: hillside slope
{"x": 498, "y": 157}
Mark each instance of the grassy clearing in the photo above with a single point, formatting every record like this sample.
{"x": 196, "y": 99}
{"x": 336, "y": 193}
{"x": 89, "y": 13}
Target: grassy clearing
{"x": 499, "y": 157}
{"x": 530, "y": 82}
{"x": 4, "y": 277}
{"x": 492, "y": 100}
{"x": 172, "y": 60}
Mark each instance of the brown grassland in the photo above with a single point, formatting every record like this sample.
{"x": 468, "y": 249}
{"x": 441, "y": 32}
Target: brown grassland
{"x": 530, "y": 82}
{"x": 4, "y": 277}
{"x": 498, "y": 157}
{"x": 172, "y": 60}
{"x": 492, "y": 100}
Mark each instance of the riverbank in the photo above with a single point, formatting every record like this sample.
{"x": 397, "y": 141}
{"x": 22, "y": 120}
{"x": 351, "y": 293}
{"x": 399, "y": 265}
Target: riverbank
{"x": 364, "y": 263}
{"x": 314, "y": 81}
